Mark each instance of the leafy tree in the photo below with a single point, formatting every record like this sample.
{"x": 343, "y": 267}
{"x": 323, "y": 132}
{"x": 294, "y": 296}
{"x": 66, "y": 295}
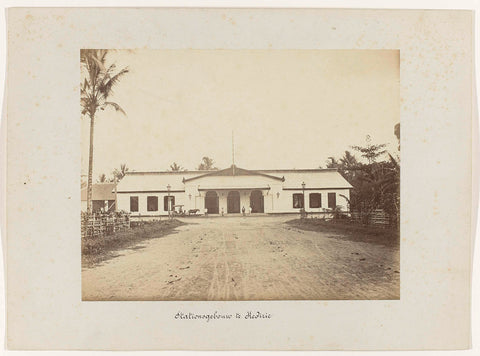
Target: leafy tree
{"x": 376, "y": 184}
{"x": 390, "y": 188}
{"x": 99, "y": 79}
{"x": 348, "y": 166}
{"x": 370, "y": 152}
{"x": 174, "y": 167}
{"x": 207, "y": 164}
{"x": 396, "y": 131}
{"x": 332, "y": 162}
{"x": 120, "y": 173}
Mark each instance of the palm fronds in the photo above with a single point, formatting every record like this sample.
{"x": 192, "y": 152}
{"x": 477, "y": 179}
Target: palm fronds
{"x": 96, "y": 86}
{"x": 98, "y": 82}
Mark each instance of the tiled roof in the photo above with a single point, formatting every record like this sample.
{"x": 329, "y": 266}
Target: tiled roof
{"x": 100, "y": 191}
{"x": 293, "y": 179}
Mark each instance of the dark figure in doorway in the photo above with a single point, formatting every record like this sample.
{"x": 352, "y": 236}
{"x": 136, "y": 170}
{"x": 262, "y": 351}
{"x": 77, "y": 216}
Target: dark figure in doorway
{"x": 243, "y": 210}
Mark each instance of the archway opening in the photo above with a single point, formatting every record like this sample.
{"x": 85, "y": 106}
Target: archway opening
{"x": 233, "y": 202}
{"x": 256, "y": 201}
{"x": 211, "y": 202}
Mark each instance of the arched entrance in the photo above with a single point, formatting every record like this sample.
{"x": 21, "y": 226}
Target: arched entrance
{"x": 256, "y": 201}
{"x": 233, "y": 202}
{"x": 211, "y": 202}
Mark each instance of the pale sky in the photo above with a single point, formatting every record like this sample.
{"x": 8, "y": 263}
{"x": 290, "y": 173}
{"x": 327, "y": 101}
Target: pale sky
{"x": 288, "y": 108}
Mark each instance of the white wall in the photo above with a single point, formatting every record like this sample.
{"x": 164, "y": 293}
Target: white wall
{"x": 283, "y": 203}
{"x": 275, "y": 200}
{"x": 124, "y": 202}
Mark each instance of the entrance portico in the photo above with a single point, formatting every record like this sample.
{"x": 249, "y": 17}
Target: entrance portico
{"x": 232, "y": 200}
{"x": 230, "y": 190}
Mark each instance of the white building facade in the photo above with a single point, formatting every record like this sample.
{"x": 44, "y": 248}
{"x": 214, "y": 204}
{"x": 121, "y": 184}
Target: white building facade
{"x": 228, "y": 191}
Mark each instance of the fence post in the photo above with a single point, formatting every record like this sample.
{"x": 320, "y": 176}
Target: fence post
{"x": 100, "y": 225}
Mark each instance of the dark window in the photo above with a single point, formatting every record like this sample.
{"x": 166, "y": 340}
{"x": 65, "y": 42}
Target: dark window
{"x": 133, "y": 203}
{"x": 165, "y": 202}
{"x": 152, "y": 203}
{"x": 297, "y": 201}
{"x": 98, "y": 206}
{"x": 332, "y": 200}
{"x": 315, "y": 200}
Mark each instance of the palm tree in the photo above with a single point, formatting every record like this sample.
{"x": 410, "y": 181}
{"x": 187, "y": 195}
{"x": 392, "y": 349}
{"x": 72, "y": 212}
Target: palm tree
{"x": 174, "y": 167}
{"x": 207, "y": 164}
{"x": 98, "y": 82}
{"x": 348, "y": 166}
{"x": 348, "y": 160}
{"x": 120, "y": 173}
{"x": 332, "y": 162}
{"x": 102, "y": 178}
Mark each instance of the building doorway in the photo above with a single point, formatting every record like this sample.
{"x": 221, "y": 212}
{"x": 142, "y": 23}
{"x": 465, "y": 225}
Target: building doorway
{"x": 233, "y": 202}
{"x": 211, "y": 202}
{"x": 256, "y": 201}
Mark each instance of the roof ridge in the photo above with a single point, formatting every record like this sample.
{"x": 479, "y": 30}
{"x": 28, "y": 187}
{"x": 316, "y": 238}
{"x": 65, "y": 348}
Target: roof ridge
{"x": 169, "y": 172}
{"x": 219, "y": 170}
{"x": 235, "y": 171}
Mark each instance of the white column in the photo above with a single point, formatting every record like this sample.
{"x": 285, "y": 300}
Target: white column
{"x": 222, "y": 201}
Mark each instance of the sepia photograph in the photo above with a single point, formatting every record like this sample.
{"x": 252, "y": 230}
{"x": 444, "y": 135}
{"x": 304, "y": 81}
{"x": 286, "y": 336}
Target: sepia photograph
{"x": 240, "y": 174}
{"x": 240, "y": 178}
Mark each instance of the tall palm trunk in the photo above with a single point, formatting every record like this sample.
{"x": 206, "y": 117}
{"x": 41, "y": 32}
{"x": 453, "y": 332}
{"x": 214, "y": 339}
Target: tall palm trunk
{"x": 98, "y": 81}
{"x": 90, "y": 166}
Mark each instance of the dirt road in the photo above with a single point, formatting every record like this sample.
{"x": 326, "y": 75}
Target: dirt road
{"x": 252, "y": 258}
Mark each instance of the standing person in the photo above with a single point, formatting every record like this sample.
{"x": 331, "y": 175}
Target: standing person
{"x": 222, "y": 211}
{"x": 250, "y": 210}
{"x": 243, "y": 210}
{"x": 206, "y": 212}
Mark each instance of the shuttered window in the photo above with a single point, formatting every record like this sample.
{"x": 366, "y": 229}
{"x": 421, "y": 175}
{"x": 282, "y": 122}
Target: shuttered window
{"x": 315, "y": 200}
{"x": 165, "y": 202}
{"x": 332, "y": 200}
{"x": 133, "y": 204}
{"x": 297, "y": 201}
{"x": 152, "y": 203}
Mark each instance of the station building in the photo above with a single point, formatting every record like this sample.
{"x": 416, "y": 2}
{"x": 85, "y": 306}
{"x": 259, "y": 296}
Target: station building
{"x": 150, "y": 194}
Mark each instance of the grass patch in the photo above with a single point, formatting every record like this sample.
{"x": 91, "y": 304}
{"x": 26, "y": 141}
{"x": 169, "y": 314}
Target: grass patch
{"x": 349, "y": 230}
{"x": 97, "y": 250}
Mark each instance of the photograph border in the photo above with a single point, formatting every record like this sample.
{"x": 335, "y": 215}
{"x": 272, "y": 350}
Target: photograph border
{"x": 426, "y": 342}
